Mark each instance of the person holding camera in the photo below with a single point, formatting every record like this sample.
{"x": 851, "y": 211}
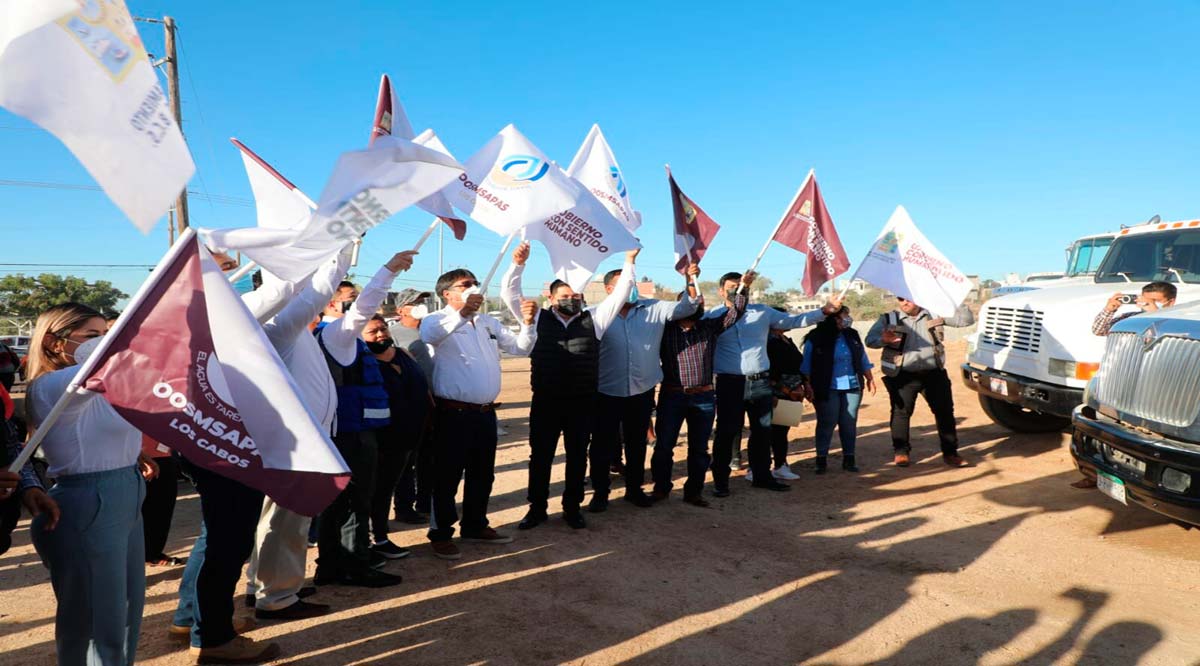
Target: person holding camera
{"x": 1155, "y": 296}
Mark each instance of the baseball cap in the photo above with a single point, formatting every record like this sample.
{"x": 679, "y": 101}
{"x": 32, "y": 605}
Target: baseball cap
{"x": 411, "y": 296}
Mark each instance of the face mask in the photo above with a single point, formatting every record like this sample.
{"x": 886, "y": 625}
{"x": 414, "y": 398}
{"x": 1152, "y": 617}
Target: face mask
{"x": 345, "y": 305}
{"x": 470, "y": 291}
{"x": 244, "y": 285}
{"x": 379, "y": 347}
{"x": 419, "y": 312}
{"x": 569, "y": 306}
{"x": 847, "y": 321}
{"x": 633, "y": 297}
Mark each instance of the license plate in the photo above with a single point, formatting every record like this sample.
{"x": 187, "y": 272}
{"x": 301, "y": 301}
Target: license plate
{"x": 1111, "y": 486}
{"x": 1125, "y": 460}
{"x": 998, "y": 385}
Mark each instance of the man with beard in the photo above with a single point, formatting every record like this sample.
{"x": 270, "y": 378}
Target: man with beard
{"x": 564, "y": 370}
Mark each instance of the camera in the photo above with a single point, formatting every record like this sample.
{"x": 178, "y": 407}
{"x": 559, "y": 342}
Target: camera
{"x": 1128, "y": 299}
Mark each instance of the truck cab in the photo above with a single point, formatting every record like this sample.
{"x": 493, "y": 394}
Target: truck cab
{"x": 1083, "y": 260}
{"x": 1137, "y": 433}
{"x": 1033, "y": 352}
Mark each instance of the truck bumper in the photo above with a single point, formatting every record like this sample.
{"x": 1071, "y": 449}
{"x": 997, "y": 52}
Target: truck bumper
{"x": 1028, "y": 393}
{"x": 1093, "y": 442}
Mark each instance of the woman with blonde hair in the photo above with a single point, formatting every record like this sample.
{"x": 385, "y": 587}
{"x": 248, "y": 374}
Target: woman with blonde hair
{"x": 95, "y": 552}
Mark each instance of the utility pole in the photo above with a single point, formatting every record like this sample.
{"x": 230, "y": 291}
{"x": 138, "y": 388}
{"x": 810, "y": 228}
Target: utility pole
{"x": 172, "y": 62}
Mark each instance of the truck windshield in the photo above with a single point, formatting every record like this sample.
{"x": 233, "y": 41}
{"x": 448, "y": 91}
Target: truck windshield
{"x": 1169, "y": 256}
{"x": 1086, "y": 255}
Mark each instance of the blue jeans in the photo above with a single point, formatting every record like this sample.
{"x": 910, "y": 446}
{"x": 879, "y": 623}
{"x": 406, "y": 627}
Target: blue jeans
{"x": 839, "y": 408}
{"x": 97, "y": 561}
{"x": 674, "y": 407}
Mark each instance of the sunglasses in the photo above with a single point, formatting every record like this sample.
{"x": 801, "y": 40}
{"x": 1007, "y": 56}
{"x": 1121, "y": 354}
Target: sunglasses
{"x": 467, "y": 284}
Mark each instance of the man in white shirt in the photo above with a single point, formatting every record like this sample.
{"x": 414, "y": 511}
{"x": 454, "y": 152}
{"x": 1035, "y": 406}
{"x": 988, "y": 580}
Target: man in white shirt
{"x": 466, "y": 382}
{"x": 564, "y": 372}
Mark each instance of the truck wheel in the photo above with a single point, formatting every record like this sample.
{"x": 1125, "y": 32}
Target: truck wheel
{"x": 1019, "y": 419}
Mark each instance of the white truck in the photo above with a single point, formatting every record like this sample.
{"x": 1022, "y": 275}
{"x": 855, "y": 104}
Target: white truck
{"x": 1033, "y": 352}
{"x": 1083, "y": 259}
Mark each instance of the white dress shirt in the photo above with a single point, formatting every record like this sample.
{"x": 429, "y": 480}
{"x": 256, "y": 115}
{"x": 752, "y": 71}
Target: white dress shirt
{"x": 89, "y": 435}
{"x": 466, "y": 360}
{"x": 341, "y": 335}
{"x": 602, "y": 314}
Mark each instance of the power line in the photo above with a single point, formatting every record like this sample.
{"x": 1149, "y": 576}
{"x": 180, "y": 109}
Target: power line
{"x": 226, "y": 199}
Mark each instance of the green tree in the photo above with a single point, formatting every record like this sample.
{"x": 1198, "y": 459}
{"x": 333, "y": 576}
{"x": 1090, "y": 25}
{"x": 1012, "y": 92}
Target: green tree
{"x": 27, "y": 296}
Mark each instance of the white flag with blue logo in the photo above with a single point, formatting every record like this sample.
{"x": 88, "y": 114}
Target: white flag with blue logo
{"x": 79, "y": 70}
{"x": 509, "y": 183}
{"x": 596, "y": 167}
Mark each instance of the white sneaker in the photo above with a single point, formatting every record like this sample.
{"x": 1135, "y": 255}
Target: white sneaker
{"x": 785, "y": 472}
{"x": 750, "y": 475}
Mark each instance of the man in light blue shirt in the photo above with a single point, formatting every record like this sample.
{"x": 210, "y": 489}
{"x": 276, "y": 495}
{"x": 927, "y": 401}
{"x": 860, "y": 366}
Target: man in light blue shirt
{"x": 629, "y": 371}
{"x": 744, "y": 387}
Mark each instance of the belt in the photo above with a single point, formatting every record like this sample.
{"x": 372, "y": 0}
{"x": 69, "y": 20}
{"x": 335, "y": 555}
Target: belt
{"x": 446, "y": 403}
{"x": 749, "y": 378}
{"x": 687, "y": 390}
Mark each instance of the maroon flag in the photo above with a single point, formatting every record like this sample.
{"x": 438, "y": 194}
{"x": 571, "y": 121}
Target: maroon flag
{"x": 189, "y": 366}
{"x": 694, "y": 229}
{"x": 807, "y": 227}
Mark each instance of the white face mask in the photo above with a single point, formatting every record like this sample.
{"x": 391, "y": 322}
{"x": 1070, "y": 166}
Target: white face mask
{"x": 470, "y": 291}
{"x": 419, "y": 311}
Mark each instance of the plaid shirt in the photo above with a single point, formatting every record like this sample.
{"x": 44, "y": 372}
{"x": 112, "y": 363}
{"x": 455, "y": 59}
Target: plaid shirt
{"x": 687, "y": 355}
{"x": 1105, "y": 320}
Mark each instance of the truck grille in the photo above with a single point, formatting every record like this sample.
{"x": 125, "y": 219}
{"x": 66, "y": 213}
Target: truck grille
{"x": 1011, "y": 327}
{"x": 1160, "y": 385}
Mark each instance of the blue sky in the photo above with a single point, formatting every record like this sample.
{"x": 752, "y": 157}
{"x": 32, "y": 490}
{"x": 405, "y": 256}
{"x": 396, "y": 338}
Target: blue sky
{"x": 1006, "y": 129}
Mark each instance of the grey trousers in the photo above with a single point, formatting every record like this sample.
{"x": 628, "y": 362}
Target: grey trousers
{"x": 276, "y": 571}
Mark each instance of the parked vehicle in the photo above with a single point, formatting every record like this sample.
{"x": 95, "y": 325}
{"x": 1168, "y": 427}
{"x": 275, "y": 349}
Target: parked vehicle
{"x": 1033, "y": 352}
{"x": 1138, "y": 432}
{"x": 1083, "y": 260}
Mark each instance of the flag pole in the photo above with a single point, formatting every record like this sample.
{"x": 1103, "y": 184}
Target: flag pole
{"x": 496, "y": 264}
{"x": 241, "y": 272}
{"x": 691, "y": 281}
{"x": 75, "y": 387}
{"x": 782, "y": 219}
{"x": 427, "y": 234}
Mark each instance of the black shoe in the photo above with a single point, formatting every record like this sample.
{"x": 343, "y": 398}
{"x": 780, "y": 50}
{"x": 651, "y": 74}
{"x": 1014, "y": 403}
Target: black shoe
{"x": 376, "y": 561}
{"x": 639, "y": 498}
{"x": 660, "y": 495}
{"x": 575, "y": 520}
{"x": 389, "y": 550}
{"x": 696, "y": 500}
{"x": 368, "y": 578}
{"x": 532, "y": 519}
{"x": 599, "y": 504}
{"x": 721, "y": 492}
{"x": 848, "y": 464}
{"x": 302, "y": 593}
{"x": 412, "y": 517}
{"x": 297, "y": 611}
{"x": 822, "y": 463}
{"x": 772, "y": 485}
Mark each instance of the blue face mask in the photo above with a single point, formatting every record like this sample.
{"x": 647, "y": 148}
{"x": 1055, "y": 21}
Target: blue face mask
{"x": 244, "y": 285}
{"x": 633, "y": 297}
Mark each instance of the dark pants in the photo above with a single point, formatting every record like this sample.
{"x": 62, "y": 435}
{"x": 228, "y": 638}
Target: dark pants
{"x": 617, "y": 417}
{"x": 416, "y": 481}
{"x": 572, "y": 417}
{"x": 737, "y": 398}
{"x": 464, "y": 450}
{"x": 343, "y": 542}
{"x": 779, "y": 444}
{"x": 935, "y": 386}
{"x": 231, "y": 513}
{"x": 395, "y": 453}
{"x": 674, "y": 408}
{"x": 159, "y": 507}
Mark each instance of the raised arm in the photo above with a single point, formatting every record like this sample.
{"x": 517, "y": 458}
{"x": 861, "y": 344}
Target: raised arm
{"x": 786, "y": 322}
{"x": 604, "y": 314}
{"x": 312, "y": 299}
{"x": 510, "y": 284}
{"x": 340, "y": 337}
{"x": 266, "y": 301}
{"x": 874, "y": 338}
{"x": 962, "y": 317}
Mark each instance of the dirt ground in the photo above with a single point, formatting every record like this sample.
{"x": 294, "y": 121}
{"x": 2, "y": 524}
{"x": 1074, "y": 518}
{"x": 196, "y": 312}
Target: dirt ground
{"x": 1000, "y": 563}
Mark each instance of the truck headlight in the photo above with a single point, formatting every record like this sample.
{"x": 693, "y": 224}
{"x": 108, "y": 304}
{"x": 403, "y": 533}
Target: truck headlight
{"x": 1072, "y": 369}
{"x": 1175, "y": 480}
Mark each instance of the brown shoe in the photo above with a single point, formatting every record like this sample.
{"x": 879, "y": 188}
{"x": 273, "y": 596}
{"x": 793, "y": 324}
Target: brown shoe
{"x": 901, "y": 459}
{"x": 486, "y": 535}
{"x": 240, "y": 650}
{"x": 956, "y": 461}
{"x": 659, "y": 495}
{"x": 446, "y": 550}
{"x": 1085, "y": 482}
{"x": 241, "y": 624}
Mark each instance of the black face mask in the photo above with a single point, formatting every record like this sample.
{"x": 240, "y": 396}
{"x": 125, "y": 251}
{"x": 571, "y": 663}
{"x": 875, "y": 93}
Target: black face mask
{"x": 569, "y": 306}
{"x": 380, "y": 347}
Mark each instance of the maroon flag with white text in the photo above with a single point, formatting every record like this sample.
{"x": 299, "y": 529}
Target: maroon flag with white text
{"x": 694, "y": 229}
{"x": 189, "y": 366}
{"x": 808, "y": 227}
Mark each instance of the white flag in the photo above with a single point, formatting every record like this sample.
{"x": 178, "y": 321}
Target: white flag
{"x": 580, "y": 238}
{"x": 279, "y": 203}
{"x": 509, "y": 183}
{"x": 84, "y": 77}
{"x": 905, "y": 263}
{"x": 437, "y": 203}
{"x": 596, "y": 167}
{"x": 366, "y": 187}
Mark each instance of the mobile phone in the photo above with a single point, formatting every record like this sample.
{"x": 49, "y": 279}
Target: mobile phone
{"x": 1128, "y": 299}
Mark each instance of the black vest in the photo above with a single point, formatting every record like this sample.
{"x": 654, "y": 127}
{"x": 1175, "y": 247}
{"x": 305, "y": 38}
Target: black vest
{"x": 565, "y": 359}
{"x": 822, "y": 361}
